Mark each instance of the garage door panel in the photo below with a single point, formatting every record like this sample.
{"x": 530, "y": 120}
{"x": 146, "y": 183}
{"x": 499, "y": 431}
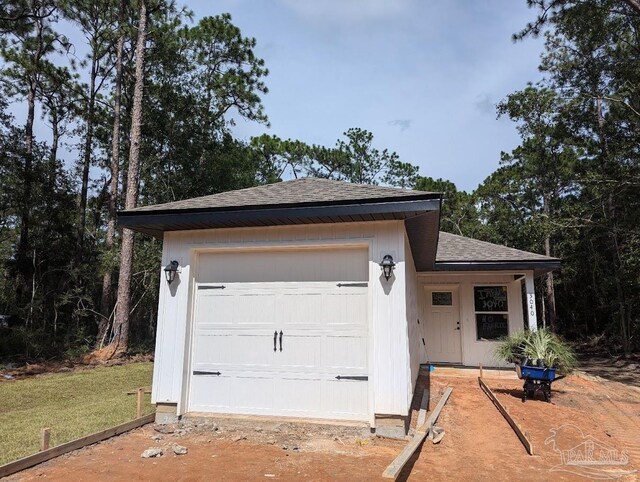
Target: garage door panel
{"x": 324, "y": 334}
{"x": 247, "y": 350}
{"x": 300, "y": 352}
{"x": 302, "y": 308}
{"x": 298, "y": 396}
{"x": 252, "y": 393}
{"x": 347, "y": 353}
{"x": 219, "y": 303}
{"x": 347, "y": 399}
{"x": 210, "y": 393}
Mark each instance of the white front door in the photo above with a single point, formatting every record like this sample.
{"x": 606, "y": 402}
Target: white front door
{"x": 443, "y": 325}
{"x": 287, "y": 335}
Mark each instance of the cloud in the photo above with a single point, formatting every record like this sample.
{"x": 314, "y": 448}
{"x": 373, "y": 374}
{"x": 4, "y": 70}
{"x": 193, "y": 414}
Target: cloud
{"x": 485, "y": 105}
{"x": 347, "y": 10}
{"x": 403, "y": 124}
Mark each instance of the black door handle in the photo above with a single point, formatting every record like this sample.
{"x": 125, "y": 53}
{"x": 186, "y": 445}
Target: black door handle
{"x": 280, "y": 340}
{"x": 275, "y": 336}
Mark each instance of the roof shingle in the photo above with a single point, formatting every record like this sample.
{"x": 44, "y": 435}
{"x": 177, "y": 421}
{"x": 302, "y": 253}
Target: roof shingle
{"x": 453, "y": 248}
{"x": 298, "y": 191}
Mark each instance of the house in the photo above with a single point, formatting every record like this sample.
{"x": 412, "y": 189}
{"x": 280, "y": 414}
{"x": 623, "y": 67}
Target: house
{"x": 278, "y": 304}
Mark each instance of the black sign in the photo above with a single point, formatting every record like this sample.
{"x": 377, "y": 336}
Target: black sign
{"x": 491, "y": 298}
{"x": 491, "y": 326}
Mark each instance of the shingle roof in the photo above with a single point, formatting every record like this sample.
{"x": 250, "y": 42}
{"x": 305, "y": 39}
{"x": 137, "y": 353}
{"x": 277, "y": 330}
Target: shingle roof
{"x": 299, "y": 191}
{"x": 453, "y": 248}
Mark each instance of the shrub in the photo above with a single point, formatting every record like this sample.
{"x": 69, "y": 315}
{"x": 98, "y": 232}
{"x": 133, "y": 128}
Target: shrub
{"x": 540, "y": 348}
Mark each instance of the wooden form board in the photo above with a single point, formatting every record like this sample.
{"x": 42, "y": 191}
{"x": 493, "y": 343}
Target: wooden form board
{"x": 505, "y": 413}
{"x": 35, "y": 459}
{"x": 394, "y": 469}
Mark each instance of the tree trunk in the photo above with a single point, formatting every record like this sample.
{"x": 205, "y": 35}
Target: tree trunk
{"x": 55, "y": 142}
{"x": 86, "y": 162}
{"x": 550, "y": 291}
{"x": 121, "y": 325}
{"x": 107, "y": 289}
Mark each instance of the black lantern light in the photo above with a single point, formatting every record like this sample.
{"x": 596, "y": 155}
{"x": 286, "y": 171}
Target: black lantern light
{"x": 387, "y": 266}
{"x": 170, "y": 271}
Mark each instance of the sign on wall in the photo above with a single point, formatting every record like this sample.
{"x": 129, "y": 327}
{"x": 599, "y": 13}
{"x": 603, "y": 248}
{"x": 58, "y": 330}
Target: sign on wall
{"x": 491, "y": 298}
{"x": 492, "y": 312}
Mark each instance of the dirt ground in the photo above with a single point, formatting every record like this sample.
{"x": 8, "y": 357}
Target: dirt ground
{"x": 478, "y": 444}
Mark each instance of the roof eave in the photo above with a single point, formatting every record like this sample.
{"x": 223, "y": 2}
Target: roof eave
{"x": 540, "y": 267}
{"x": 182, "y": 219}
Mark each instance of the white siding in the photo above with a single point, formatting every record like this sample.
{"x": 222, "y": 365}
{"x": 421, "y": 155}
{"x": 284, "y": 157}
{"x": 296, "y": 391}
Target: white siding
{"x": 414, "y": 341}
{"x": 473, "y": 350}
{"x": 389, "y": 353}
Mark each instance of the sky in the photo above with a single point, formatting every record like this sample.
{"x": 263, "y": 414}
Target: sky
{"x": 422, "y": 76}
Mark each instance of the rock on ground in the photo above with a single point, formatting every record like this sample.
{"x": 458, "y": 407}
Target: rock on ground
{"x": 152, "y": 452}
{"x": 179, "y": 450}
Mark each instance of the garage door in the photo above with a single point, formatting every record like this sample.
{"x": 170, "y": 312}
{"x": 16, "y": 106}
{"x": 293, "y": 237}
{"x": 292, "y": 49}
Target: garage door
{"x": 282, "y": 333}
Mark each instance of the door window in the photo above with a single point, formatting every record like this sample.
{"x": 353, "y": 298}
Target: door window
{"x": 441, "y": 298}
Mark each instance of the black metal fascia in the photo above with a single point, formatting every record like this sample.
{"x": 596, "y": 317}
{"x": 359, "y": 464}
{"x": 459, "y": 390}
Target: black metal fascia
{"x": 546, "y": 265}
{"x": 140, "y": 219}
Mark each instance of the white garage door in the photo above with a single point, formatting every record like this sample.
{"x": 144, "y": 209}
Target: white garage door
{"x": 282, "y": 333}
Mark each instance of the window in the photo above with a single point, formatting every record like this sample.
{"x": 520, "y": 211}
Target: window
{"x": 441, "y": 298}
{"x": 492, "y": 312}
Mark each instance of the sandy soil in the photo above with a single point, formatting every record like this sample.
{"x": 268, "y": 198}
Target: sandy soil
{"x": 478, "y": 445}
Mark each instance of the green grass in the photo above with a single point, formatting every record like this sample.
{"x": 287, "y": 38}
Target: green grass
{"x": 72, "y": 405}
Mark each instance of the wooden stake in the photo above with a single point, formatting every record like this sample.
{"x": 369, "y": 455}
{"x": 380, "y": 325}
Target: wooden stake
{"x": 140, "y": 402}
{"x": 422, "y": 431}
{"x": 35, "y": 459}
{"x": 480, "y": 370}
{"x": 503, "y": 410}
{"x": 44, "y": 439}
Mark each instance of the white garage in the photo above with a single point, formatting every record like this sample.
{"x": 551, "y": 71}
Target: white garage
{"x": 281, "y": 333}
{"x": 320, "y": 299}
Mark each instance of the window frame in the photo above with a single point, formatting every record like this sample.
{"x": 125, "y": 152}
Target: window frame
{"x": 494, "y": 312}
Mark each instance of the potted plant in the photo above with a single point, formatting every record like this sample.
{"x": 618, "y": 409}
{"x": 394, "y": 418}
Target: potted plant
{"x": 541, "y": 348}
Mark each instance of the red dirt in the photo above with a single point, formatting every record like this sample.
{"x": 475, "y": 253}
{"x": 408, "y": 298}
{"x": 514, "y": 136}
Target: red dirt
{"x": 478, "y": 445}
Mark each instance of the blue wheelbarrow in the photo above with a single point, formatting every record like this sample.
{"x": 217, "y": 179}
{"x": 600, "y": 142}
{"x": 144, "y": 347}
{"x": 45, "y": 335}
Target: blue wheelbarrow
{"x": 536, "y": 379}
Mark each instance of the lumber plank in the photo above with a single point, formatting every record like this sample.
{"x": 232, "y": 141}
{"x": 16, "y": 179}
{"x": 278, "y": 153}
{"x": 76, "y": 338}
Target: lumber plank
{"x": 505, "y": 413}
{"x": 35, "y": 459}
{"x": 394, "y": 469}
{"x": 424, "y": 406}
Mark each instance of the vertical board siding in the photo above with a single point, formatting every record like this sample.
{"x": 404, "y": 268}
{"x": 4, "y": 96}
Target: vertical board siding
{"x": 388, "y": 328}
{"x": 414, "y": 330}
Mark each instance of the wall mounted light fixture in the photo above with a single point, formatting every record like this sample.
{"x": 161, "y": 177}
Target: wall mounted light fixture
{"x": 170, "y": 271}
{"x": 388, "y": 265}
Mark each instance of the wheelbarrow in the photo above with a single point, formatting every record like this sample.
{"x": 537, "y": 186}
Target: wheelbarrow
{"x": 536, "y": 379}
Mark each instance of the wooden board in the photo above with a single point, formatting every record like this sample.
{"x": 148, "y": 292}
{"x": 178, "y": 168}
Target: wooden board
{"x": 424, "y": 406}
{"x": 505, "y": 413}
{"x": 394, "y": 469}
{"x": 35, "y": 459}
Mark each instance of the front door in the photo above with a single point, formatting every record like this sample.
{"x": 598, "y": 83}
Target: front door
{"x": 443, "y": 326}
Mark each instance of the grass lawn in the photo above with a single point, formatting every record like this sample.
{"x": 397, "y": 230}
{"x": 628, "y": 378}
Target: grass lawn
{"x": 71, "y": 404}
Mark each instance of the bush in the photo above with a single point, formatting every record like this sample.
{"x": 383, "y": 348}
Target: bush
{"x": 540, "y": 348}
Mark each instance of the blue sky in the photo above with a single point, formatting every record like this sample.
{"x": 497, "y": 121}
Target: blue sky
{"x": 423, "y": 76}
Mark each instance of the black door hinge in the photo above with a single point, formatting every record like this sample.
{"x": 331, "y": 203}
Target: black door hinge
{"x": 198, "y": 372}
{"x": 352, "y": 377}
